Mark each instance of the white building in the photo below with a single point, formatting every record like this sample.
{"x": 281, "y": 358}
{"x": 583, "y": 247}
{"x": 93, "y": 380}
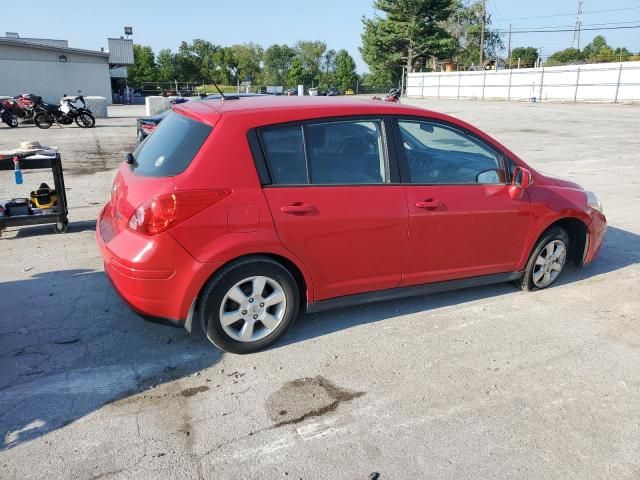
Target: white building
{"x": 50, "y": 68}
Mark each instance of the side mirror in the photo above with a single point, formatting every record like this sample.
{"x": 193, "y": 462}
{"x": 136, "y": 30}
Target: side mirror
{"x": 521, "y": 180}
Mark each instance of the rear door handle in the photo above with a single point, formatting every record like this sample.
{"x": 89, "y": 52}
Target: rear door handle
{"x": 429, "y": 204}
{"x": 297, "y": 209}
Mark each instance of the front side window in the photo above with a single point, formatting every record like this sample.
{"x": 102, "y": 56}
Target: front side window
{"x": 438, "y": 154}
{"x": 349, "y": 152}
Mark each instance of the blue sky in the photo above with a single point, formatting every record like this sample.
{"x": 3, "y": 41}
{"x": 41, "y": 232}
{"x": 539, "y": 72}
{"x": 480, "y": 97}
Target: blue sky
{"x": 87, "y": 24}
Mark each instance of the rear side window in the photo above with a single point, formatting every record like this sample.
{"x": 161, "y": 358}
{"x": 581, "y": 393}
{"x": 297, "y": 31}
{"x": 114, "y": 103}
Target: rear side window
{"x": 171, "y": 148}
{"x": 285, "y": 152}
{"x": 347, "y": 152}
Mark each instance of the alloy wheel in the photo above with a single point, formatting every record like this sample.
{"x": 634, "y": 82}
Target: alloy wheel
{"x": 253, "y": 308}
{"x": 549, "y": 263}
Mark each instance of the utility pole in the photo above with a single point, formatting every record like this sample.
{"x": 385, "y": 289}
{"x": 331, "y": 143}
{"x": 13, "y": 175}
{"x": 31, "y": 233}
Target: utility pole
{"x": 484, "y": 19}
{"x": 509, "y": 48}
{"x": 578, "y": 27}
{"x": 539, "y": 57}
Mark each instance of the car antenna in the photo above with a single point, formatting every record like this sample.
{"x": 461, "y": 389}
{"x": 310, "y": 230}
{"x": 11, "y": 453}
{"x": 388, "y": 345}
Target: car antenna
{"x": 219, "y": 91}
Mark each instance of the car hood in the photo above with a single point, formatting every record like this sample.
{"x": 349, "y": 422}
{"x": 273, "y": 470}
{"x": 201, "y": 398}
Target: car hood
{"x": 560, "y": 182}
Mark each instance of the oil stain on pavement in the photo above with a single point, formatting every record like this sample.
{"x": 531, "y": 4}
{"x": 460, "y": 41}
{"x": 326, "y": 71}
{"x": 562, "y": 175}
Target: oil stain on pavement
{"x": 306, "y": 398}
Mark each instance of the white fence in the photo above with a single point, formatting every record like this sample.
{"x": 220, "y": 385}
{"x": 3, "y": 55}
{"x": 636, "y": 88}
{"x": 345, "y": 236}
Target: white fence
{"x": 611, "y": 82}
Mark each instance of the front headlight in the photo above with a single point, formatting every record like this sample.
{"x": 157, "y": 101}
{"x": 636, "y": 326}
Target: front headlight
{"x": 593, "y": 202}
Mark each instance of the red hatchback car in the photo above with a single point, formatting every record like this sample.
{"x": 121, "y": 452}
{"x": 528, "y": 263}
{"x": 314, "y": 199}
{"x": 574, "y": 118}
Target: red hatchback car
{"x": 240, "y": 213}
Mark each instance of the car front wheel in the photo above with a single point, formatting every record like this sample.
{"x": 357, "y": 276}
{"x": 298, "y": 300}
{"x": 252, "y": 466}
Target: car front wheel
{"x": 547, "y": 260}
{"x": 248, "y": 305}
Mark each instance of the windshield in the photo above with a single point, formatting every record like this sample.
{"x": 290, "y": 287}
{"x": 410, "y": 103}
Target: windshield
{"x": 171, "y": 148}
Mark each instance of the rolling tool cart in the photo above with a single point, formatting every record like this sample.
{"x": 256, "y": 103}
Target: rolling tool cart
{"x": 23, "y": 211}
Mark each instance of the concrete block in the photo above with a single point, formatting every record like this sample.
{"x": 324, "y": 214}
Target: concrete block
{"x": 97, "y": 105}
{"x": 156, "y": 104}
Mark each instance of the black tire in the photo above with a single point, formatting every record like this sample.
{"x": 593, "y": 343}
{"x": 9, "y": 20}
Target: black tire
{"x": 10, "y": 119}
{"x": 43, "y": 120}
{"x": 85, "y": 120}
{"x": 553, "y": 234}
{"x": 214, "y": 292}
{"x": 60, "y": 227}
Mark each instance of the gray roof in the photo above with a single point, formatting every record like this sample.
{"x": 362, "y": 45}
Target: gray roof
{"x": 41, "y": 46}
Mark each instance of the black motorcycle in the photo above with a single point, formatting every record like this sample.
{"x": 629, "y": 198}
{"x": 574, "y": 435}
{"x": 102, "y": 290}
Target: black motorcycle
{"x": 6, "y": 114}
{"x": 70, "y": 109}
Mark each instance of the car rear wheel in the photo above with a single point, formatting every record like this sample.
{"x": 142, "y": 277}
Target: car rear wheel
{"x": 547, "y": 261}
{"x": 249, "y": 305}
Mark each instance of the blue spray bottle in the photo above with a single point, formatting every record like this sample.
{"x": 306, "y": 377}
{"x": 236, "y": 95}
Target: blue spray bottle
{"x": 17, "y": 171}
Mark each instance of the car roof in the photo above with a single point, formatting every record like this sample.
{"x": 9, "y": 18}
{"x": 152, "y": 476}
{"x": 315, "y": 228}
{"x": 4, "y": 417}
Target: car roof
{"x": 292, "y": 108}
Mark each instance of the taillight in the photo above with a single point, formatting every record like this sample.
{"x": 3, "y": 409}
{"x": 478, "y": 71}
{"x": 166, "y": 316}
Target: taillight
{"x": 157, "y": 215}
{"x": 148, "y": 127}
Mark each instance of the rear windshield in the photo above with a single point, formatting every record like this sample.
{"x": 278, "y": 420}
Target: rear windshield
{"x": 171, "y": 148}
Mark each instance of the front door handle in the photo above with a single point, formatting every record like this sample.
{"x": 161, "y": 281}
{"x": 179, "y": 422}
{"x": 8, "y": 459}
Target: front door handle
{"x": 297, "y": 209}
{"x": 429, "y": 204}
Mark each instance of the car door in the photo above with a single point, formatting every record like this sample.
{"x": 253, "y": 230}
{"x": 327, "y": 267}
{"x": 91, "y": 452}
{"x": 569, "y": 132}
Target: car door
{"x": 332, "y": 204}
{"x": 462, "y": 220}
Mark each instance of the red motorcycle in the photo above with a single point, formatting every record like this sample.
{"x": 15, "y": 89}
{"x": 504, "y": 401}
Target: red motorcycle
{"x": 6, "y": 112}
{"x": 26, "y": 105}
{"x": 393, "y": 96}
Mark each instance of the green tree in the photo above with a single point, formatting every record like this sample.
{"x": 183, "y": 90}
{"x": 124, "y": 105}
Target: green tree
{"x": 166, "y": 65}
{"x": 296, "y": 74}
{"x": 345, "y": 74}
{"x": 598, "y": 51}
{"x": 465, "y": 26}
{"x": 248, "y": 59}
{"x": 567, "y": 56}
{"x": 408, "y": 33}
{"x": 144, "y": 66}
{"x": 528, "y": 56}
{"x": 310, "y": 54}
{"x": 187, "y": 64}
{"x": 203, "y": 57}
{"x": 277, "y": 62}
{"x": 622, "y": 54}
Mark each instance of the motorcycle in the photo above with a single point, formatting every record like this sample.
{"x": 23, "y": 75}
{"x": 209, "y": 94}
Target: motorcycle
{"x": 393, "y": 96}
{"x": 70, "y": 109}
{"x": 6, "y": 113}
{"x": 26, "y": 105}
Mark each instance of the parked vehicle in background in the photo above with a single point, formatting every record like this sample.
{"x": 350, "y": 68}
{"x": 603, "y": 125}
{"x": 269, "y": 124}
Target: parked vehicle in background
{"x": 27, "y": 103}
{"x": 349, "y": 91}
{"x": 70, "y": 109}
{"x": 217, "y": 96}
{"x": 6, "y": 112}
{"x": 239, "y": 214}
{"x": 333, "y": 92}
{"x": 313, "y": 92}
{"x": 146, "y": 126}
{"x": 393, "y": 96}
{"x": 291, "y": 92}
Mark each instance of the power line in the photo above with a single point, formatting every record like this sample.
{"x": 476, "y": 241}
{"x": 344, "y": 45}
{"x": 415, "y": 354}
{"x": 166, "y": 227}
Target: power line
{"x": 571, "y": 14}
{"x": 604, "y": 24}
{"x": 569, "y": 29}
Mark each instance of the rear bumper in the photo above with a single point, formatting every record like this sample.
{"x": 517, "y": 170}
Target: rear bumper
{"x": 597, "y": 229}
{"x": 155, "y": 276}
